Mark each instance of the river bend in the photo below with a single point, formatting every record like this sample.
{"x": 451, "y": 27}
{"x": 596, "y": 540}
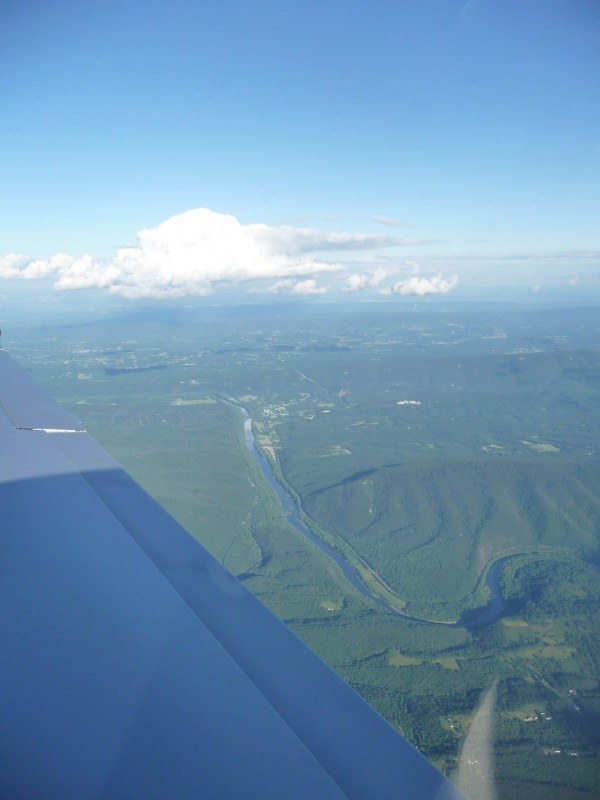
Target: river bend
{"x": 476, "y": 620}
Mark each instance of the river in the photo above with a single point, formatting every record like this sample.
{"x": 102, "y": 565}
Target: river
{"x": 473, "y": 620}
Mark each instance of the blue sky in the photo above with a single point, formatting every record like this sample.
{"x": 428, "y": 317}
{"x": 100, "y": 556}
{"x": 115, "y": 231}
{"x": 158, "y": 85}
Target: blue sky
{"x": 396, "y": 147}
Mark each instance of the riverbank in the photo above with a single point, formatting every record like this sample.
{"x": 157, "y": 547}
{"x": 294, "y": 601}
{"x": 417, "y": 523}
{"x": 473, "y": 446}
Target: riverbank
{"x": 356, "y": 570}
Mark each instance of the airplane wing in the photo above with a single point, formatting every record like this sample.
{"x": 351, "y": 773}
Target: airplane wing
{"x": 133, "y": 665}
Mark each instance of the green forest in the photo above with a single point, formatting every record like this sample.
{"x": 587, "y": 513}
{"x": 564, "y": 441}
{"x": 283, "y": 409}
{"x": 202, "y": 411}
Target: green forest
{"x": 423, "y": 444}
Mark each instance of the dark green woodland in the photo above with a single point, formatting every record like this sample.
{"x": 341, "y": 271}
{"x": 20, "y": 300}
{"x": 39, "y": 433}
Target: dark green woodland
{"x": 423, "y": 443}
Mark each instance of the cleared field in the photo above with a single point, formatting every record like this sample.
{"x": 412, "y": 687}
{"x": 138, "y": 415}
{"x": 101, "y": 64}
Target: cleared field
{"x": 400, "y": 660}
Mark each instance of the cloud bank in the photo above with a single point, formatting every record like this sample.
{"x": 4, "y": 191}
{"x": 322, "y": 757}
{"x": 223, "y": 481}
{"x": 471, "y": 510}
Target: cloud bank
{"x": 194, "y": 252}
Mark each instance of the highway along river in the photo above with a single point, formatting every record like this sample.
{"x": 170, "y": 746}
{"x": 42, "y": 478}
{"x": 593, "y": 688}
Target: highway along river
{"x": 476, "y": 620}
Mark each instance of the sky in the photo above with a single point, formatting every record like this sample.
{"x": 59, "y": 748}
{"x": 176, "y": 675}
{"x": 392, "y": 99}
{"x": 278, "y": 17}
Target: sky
{"x": 317, "y": 150}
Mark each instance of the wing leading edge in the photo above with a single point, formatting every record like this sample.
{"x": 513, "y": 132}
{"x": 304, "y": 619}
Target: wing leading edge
{"x": 133, "y": 665}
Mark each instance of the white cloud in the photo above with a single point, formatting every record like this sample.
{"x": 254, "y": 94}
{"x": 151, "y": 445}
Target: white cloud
{"x": 437, "y": 284}
{"x": 13, "y": 265}
{"x": 279, "y": 286}
{"x": 191, "y": 253}
{"x": 364, "y": 280}
{"x": 307, "y": 287}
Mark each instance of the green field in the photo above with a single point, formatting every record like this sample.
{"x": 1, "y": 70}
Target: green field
{"x": 422, "y": 443}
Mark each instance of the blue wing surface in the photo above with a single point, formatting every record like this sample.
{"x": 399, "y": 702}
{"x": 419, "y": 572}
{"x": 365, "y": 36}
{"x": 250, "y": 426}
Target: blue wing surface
{"x": 133, "y": 665}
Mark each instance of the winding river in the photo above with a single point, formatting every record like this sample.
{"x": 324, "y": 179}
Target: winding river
{"x": 474, "y": 620}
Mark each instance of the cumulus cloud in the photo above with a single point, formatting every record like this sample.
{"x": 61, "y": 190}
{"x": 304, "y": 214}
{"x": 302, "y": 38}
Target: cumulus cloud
{"x": 307, "y": 287}
{"x": 437, "y": 284}
{"x": 364, "y": 280}
{"x": 14, "y": 265}
{"x": 191, "y": 253}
